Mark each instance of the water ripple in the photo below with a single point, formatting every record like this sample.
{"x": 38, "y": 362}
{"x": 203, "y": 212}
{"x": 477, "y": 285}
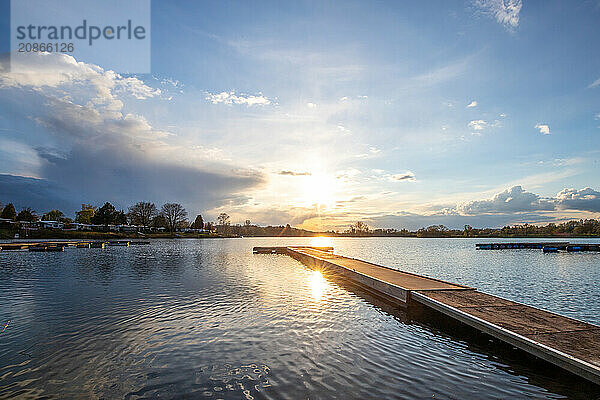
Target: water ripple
{"x": 207, "y": 319}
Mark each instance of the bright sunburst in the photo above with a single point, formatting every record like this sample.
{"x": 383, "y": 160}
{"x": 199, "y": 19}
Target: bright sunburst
{"x": 319, "y": 188}
{"x": 318, "y": 284}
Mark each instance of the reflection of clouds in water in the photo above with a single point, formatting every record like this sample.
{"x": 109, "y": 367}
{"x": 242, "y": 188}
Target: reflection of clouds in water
{"x": 149, "y": 317}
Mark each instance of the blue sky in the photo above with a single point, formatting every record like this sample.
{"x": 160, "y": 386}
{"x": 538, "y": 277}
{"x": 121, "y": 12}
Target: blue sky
{"x": 322, "y": 113}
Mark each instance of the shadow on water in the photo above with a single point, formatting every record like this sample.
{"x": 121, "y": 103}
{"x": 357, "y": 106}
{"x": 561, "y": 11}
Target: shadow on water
{"x": 502, "y": 355}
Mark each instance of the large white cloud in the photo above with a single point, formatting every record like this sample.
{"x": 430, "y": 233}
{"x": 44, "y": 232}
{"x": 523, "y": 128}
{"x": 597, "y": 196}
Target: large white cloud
{"x": 518, "y": 200}
{"x": 92, "y": 146}
{"x": 586, "y": 199}
{"x": 512, "y": 200}
{"x": 512, "y": 206}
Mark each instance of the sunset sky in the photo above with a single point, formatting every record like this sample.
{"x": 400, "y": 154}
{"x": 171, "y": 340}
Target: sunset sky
{"x": 319, "y": 114}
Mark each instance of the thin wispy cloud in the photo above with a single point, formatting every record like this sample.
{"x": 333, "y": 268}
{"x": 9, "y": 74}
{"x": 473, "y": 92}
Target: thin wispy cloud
{"x": 343, "y": 129}
{"x": 293, "y": 173}
{"x": 472, "y": 104}
{"x": 478, "y": 125}
{"x": 444, "y": 73}
{"x": 407, "y": 176}
{"x": 233, "y": 98}
{"x": 594, "y": 84}
{"x": 505, "y": 12}
{"x": 373, "y": 152}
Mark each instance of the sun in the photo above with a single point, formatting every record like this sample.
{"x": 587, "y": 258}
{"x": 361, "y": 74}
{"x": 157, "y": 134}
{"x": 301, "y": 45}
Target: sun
{"x": 319, "y": 188}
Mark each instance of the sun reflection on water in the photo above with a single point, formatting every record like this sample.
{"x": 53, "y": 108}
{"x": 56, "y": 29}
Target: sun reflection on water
{"x": 321, "y": 241}
{"x": 318, "y": 284}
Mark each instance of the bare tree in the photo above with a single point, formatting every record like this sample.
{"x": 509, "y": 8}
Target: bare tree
{"x": 174, "y": 214}
{"x": 142, "y": 213}
{"x": 359, "y": 228}
{"x": 223, "y": 219}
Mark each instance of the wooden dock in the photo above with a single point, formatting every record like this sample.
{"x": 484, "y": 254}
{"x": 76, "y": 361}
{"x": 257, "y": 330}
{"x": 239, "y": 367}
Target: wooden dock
{"x": 60, "y": 245}
{"x": 32, "y": 245}
{"x": 565, "y": 342}
{"x": 519, "y": 245}
{"x": 547, "y": 247}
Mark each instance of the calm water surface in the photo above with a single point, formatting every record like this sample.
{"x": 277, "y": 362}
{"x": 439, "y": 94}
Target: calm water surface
{"x": 207, "y": 319}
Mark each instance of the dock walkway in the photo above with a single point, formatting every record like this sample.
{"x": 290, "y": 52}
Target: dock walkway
{"x": 565, "y": 342}
{"x": 547, "y": 247}
{"x": 54, "y": 245}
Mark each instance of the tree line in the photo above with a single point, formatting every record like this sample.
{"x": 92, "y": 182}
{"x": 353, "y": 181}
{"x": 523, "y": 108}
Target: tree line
{"x": 582, "y": 227}
{"x": 173, "y": 216}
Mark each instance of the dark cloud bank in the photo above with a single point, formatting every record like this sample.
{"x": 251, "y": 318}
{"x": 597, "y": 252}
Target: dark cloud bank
{"x": 95, "y": 151}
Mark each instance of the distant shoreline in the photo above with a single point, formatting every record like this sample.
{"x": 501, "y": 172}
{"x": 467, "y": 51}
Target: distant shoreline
{"x": 48, "y": 234}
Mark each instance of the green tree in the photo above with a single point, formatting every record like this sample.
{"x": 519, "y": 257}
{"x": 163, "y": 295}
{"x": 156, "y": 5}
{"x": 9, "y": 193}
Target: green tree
{"x": 53, "y": 215}
{"x": 27, "y": 215}
{"x": 9, "y": 212}
{"x": 198, "y": 222}
{"x": 105, "y": 215}
{"x": 142, "y": 213}
{"x": 85, "y": 215}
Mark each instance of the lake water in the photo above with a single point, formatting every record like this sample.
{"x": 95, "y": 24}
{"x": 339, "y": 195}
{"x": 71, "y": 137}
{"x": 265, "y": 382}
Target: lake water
{"x": 208, "y": 319}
